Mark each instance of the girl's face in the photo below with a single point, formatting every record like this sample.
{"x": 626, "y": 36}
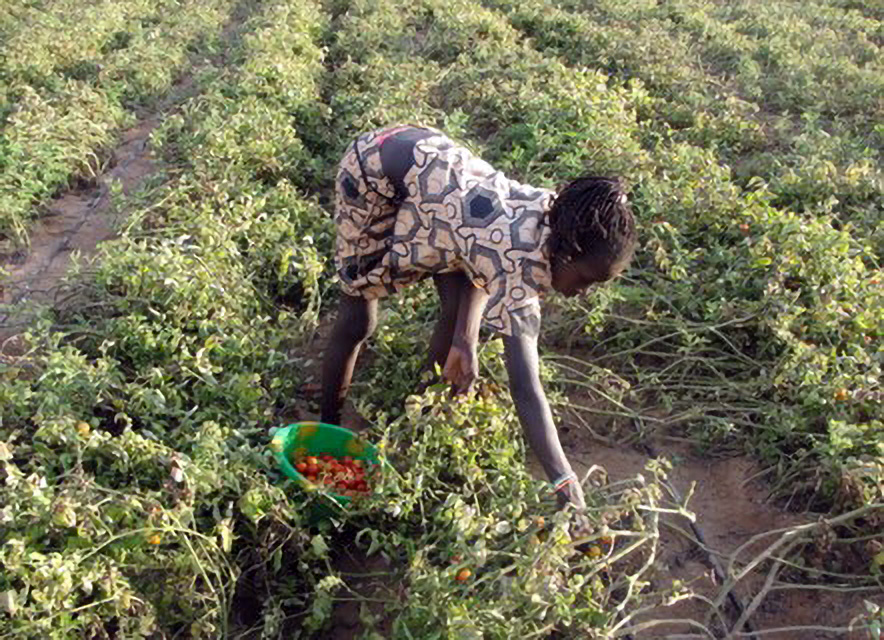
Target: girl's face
{"x": 573, "y": 278}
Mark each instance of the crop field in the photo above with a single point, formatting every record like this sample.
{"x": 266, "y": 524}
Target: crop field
{"x": 166, "y": 288}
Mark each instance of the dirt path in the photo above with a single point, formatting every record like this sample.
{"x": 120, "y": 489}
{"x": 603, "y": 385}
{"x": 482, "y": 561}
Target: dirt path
{"x": 732, "y": 508}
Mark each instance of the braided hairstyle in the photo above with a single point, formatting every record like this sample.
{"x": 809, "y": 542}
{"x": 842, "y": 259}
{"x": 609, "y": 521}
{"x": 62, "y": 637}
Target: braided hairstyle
{"x": 592, "y": 217}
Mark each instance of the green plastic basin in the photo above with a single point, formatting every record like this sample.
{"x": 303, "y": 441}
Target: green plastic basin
{"x": 316, "y": 438}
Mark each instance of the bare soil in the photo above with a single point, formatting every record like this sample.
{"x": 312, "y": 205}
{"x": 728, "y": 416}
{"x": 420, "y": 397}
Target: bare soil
{"x": 732, "y": 508}
{"x": 371, "y": 585}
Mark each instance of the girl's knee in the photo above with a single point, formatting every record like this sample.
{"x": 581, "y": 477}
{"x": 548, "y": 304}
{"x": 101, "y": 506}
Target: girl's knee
{"x": 370, "y": 321}
{"x": 357, "y": 319}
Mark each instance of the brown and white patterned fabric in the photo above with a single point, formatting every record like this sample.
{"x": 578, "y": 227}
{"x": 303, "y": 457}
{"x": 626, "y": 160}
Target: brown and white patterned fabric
{"x": 456, "y": 213}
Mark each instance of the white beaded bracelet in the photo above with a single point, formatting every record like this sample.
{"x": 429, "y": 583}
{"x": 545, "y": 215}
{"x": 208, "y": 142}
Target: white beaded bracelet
{"x": 564, "y": 480}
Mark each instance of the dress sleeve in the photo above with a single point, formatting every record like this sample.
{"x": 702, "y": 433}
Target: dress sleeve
{"x": 513, "y": 309}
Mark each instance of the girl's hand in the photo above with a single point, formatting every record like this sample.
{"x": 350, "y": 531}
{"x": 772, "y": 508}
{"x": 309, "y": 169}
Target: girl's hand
{"x": 571, "y": 494}
{"x": 461, "y": 367}
{"x": 580, "y": 526}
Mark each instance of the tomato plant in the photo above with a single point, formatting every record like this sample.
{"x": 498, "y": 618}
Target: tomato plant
{"x": 137, "y": 497}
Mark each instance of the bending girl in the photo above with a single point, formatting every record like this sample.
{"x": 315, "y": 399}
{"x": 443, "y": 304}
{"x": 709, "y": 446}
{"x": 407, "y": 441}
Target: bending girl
{"x": 410, "y": 204}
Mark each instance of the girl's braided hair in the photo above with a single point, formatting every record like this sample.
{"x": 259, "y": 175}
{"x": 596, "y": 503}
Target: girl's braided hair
{"x": 591, "y": 216}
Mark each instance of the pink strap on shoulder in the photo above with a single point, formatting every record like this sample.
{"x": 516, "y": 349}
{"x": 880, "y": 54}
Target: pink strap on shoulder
{"x": 386, "y": 134}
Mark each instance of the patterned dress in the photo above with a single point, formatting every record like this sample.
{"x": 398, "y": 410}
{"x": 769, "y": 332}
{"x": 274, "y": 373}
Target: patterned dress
{"x": 451, "y": 211}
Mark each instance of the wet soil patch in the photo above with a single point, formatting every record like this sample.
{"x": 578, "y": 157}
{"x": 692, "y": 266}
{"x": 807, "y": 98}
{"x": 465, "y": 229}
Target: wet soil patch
{"x": 368, "y": 599}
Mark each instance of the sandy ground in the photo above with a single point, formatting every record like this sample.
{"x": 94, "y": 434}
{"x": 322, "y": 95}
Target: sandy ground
{"x": 732, "y": 508}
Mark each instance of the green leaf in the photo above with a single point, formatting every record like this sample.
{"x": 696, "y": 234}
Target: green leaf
{"x": 319, "y": 546}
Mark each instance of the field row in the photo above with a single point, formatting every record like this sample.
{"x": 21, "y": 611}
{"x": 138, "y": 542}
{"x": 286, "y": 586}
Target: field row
{"x": 789, "y": 96}
{"x": 72, "y": 75}
{"x": 133, "y": 453}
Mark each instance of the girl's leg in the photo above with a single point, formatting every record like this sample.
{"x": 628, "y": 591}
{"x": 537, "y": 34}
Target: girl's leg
{"x": 357, "y": 319}
{"x": 450, "y": 287}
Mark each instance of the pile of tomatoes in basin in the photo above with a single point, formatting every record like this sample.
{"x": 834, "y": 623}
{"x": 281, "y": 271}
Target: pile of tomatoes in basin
{"x": 345, "y": 476}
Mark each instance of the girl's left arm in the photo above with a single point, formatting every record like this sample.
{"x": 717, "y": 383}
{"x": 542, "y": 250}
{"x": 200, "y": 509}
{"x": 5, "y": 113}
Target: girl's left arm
{"x": 532, "y": 407}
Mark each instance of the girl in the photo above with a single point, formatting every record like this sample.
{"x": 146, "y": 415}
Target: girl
{"x": 411, "y": 203}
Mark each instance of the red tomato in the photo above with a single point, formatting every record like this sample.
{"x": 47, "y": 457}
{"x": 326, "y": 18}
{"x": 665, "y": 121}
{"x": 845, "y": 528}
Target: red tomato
{"x": 301, "y": 467}
{"x": 463, "y": 575}
{"x": 347, "y": 460}
{"x": 311, "y": 460}
{"x": 311, "y": 478}
{"x": 312, "y": 469}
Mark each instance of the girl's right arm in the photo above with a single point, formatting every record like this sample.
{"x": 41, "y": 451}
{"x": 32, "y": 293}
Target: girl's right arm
{"x": 462, "y": 363}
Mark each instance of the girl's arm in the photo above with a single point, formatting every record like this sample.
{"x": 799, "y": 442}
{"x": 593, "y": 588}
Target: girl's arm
{"x": 523, "y": 368}
{"x": 469, "y": 316}
{"x": 462, "y": 364}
